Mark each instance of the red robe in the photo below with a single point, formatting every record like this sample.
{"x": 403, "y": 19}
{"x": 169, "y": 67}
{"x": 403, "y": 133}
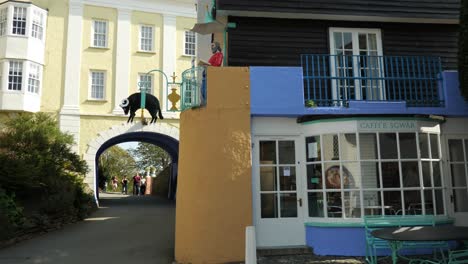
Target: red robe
{"x": 216, "y": 59}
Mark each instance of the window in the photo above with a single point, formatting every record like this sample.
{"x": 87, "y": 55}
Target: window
{"x": 373, "y": 174}
{"x": 34, "y": 78}
{"x": 356, "y": 61}
{"x": 99, "y": 33}
{"x": 189, "y": 43}
{"x": 37, "y": 25}
{"x": 145, "y": 80}
{"x": 146, "y": 38}
{"x": 97, "y": 85}
{"x": 3, "y": 21}
{"x": 15, "y": 76}
{"x": 19, "y": 20}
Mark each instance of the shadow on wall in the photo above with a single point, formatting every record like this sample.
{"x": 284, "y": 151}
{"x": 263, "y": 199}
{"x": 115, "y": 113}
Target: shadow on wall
{"x": 161, "y": 183}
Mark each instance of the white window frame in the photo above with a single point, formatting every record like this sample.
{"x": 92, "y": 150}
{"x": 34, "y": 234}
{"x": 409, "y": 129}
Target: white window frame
{"x": 151, "y": 82}
{"x": 378, "y": 160}
{"x": 20, "y": 15}
{"x": 3, "y": 21}
{"x": 146, "y": 43}
{"x": 37, "y": 25}
{"x": 92, "y": 85}
{"x": 95, "y": 43}
{"x": 185, "y": 48}
{"x": 355, "y": 39}
{"x": 18, "y": 75}
{"x": 34, "y": 78}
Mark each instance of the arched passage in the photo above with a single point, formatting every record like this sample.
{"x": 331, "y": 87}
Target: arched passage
{"x": 163, "y": 135}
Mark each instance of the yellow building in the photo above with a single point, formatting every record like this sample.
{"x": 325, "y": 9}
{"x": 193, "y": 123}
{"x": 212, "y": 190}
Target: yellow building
{"x": 79, "y": 59}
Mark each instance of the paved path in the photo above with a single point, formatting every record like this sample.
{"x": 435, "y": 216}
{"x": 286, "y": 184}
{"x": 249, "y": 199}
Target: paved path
{"x": 135, "y": 230}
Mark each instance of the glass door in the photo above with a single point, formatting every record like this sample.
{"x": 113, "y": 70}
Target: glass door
{"x": 278, "y": 200}
{"x": 356, "y": 64}
{"x": 458, "y": 170}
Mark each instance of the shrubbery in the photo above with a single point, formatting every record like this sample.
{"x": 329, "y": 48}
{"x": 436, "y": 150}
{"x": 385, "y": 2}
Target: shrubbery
{"x": 40, "y": 172}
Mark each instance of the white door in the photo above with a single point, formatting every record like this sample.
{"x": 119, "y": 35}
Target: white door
{"x": 458, "y": 178}
{"x": 277, "y": 190}
{"x": 357, "y": 64}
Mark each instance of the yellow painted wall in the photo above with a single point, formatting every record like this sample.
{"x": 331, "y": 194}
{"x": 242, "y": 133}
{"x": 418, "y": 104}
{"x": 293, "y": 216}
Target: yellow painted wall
{"x": 141, "y": 61}
{"x": 183, "y": 62}
{"x": 214, "y": 196}
{"x": 55, "y": 51}
{"x": 98, "y": 58}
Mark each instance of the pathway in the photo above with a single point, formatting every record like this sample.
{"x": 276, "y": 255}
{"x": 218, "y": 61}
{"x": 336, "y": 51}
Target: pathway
{"x": 126, "y": 229}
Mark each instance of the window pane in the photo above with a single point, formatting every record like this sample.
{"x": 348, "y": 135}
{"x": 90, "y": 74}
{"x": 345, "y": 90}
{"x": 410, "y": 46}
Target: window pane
{"x": 424, "y": 145}
{"x": 352, "y": 202}
{"x": 370, "y": 175}
{"x": 287, "y": 153}
{"x": 288, "y": 205}
{"x": 313, "y": 152}
{"x": 269, "y": 205}
{"x": 390, "y": 175}
{"x": 287, "y": 178}
{"x": 348, "y": 40}
{"x": 410, "y": 172}
{"x": 268, "y": 179}
{"x": 434, "y": 146}
{"x": 314, "y": 176}
{"x": 372, "y": 41}
{"x": 332, "y": 176}
{"x": 351, "y": 175}
{"x": 460, "y": 198}
{"x": 338, "y": 36}
{"x": 413, "y": 202}
{"x": 388, "y": 146}
{"x": 362, "y": 41}
{"x": 458, "y": 175}
{"x": 439, "y": 195}
{"x": 408, "y": 149}
{"x": 348, "y": 146}
{"x": 334, "y": 204}
{"x": 426, "y": 172}
{"x": 368, "y": 146}
{"x": 428, "y": 202}
{"x": 267, "y": 152}
{"x": 436, "y": 174}
{"x": 372, "y": 203}
{"x": 455, "y": 149}
{"x": 315, "y": 204}
{"x": 330, "y": 147}
{"x": 392, "y": 202}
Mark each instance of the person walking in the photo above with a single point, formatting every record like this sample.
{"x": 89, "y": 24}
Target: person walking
{"x": 124, "y": 185}
{"x": 143, "y": 186}
{"x": 114, "y": 183}
{"x": 136, "y": 184}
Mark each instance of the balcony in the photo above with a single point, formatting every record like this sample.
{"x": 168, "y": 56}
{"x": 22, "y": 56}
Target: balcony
{"x": 335, "y": 80}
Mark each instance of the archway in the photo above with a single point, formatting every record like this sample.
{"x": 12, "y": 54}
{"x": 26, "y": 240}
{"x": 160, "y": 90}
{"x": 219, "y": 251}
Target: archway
{"x": 163, "y": 135}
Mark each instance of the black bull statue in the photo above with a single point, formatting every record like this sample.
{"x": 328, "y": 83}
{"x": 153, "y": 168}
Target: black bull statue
{"x": 133, "y": 103}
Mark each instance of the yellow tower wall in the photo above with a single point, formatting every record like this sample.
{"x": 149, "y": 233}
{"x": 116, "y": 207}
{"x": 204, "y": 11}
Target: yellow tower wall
{"x": 214, "y": 196}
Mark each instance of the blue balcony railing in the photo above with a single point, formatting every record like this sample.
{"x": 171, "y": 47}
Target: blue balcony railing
{"x": 334, "y": 80}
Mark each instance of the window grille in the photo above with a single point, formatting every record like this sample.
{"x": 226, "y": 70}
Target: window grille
{"x": 97, "y": 85}
{"x": 34, "y": 78}
{"x": 100, "y": 34}
{"x": 3, "y": 21}
{"x": 190, "y": 43}
{"x": 146, "y": 38}
{"x": 147, "y": 81}
{"x": 37, "y": 25}
{"x": 15, "y": 76}
{"x": 19, "y": 20}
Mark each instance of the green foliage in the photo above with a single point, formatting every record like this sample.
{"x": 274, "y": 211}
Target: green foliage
{"x": 115, "y": 162}
{"x": 310, "y": 103}
{"x": 463, "y": 49}
{"x": 11, "y": 215}
{"x": 148, "y": 155}
{"x": 38, "y": 166}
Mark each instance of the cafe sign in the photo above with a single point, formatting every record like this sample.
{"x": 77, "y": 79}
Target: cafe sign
{"x": 387, "y": 125}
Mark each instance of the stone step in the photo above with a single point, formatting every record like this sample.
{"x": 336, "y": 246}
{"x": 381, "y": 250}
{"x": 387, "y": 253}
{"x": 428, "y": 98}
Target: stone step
{"x": 281, "y": 251}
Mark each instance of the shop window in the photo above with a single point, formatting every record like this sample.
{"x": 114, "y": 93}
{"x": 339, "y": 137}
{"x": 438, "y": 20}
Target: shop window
{"x": 375, "y": 174}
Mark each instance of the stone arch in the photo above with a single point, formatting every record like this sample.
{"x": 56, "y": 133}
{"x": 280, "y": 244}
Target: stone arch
{"x": 162, "y": 134}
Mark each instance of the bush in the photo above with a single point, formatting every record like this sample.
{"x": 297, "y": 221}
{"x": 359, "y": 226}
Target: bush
{"x": 11, "y": 216}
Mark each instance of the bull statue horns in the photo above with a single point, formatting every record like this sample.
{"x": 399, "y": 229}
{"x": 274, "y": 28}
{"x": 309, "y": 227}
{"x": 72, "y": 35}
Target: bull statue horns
{"x": 124, "y": 103}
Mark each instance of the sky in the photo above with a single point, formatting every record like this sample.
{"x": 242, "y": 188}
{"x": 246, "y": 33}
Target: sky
{"x": 129, "y": 145}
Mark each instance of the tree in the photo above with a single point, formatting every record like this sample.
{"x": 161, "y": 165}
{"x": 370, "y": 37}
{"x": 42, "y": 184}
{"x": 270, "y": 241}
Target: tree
{"x": 463, "y": 49}
{"x": 148, "y": 155}
{"x": 115, "y": 161}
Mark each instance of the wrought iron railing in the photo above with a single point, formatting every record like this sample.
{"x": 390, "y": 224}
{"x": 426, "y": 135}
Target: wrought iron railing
{"x": 334, "y": 80}
{"x": 193, "y": 88}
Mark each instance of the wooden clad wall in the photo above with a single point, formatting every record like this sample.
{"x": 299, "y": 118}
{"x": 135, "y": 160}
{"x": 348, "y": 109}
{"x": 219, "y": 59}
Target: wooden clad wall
{"x": 280, "y": 42}
{"x": 434, "y": 9}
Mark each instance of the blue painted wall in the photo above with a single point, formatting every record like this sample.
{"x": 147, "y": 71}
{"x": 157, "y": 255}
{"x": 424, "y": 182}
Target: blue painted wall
{"x": 278, "y": 91}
